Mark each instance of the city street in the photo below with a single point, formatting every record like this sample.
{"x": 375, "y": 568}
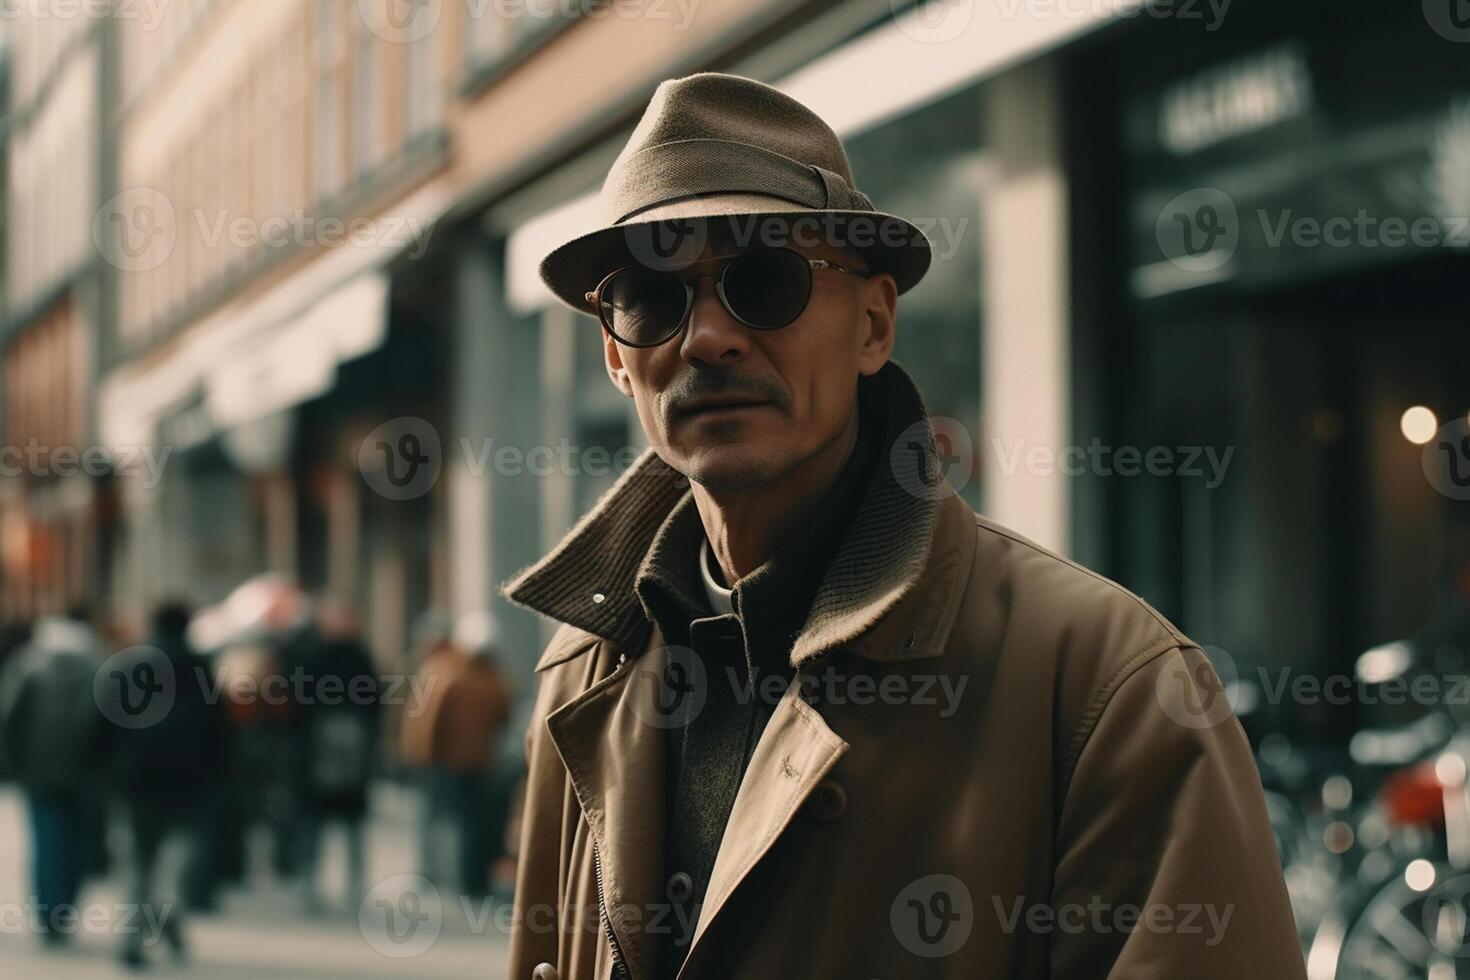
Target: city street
{"x": 261, "y": 931}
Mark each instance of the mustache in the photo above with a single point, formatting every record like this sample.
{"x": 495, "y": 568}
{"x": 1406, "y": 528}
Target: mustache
{"x": 707, "y": 383}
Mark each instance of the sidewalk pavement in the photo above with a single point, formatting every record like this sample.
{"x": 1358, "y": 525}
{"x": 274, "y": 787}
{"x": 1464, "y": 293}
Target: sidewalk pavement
{"x": 403, "y": 929}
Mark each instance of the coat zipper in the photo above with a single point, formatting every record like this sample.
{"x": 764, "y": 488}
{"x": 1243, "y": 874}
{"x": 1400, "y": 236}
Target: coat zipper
{"x": 620, "y": 966}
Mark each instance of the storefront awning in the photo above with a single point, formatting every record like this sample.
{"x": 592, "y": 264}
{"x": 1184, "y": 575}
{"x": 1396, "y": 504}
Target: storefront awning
{"x": 298, "y": 361}
{"x": 261, "y": 355}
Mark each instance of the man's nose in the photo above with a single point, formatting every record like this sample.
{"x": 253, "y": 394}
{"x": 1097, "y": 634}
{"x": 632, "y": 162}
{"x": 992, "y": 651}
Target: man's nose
{"x": 712, "y": 334}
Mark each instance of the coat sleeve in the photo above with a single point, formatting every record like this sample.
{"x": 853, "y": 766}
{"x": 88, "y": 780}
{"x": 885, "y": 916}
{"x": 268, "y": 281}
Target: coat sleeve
{"x": 1166, "y": 866}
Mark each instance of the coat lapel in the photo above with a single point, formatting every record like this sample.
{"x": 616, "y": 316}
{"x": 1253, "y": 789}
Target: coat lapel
{"x": 612, "y": 745}
{"x": 795, "y": 753}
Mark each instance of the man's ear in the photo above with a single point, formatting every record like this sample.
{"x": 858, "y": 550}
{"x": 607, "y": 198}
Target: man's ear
{"x": 878, "y": 312}
{"x": 615, "y": 367}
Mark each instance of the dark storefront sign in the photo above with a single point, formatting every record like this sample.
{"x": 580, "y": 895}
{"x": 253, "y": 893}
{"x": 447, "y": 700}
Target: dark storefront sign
{"x": 1304, "y": 150}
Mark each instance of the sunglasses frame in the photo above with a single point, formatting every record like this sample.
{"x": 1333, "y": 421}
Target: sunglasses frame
{"x": 594, "y": 296}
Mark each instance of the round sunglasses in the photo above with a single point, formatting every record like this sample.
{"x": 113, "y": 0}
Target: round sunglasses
{"x": 762, "y": 288}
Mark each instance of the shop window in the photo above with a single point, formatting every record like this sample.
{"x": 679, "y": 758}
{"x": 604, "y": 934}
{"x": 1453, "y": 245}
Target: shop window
{"x": 928, "y": 166}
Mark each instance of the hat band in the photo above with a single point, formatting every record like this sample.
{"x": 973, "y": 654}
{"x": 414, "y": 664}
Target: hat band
{"x": 686, "y": 168}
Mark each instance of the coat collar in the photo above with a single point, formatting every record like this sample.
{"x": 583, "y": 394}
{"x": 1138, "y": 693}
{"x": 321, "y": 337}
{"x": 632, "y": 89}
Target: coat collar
{"x": 771, "y": 602}
{"x": 909, "y": 523}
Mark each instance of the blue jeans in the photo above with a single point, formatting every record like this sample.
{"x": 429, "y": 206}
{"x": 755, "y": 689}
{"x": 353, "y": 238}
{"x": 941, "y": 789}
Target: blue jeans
{"x": 57, "y": 833}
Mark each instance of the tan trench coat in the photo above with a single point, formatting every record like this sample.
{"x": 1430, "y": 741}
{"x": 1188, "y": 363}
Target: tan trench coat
{"x": 1011, "y": 767}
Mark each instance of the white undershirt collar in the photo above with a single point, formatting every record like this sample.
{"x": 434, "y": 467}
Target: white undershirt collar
{"x": 718, "y": 595}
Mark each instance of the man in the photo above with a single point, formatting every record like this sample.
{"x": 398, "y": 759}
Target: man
{"x": 166, "y": 772}
{"x": 433, "y": 658}
{"x": 807, "y": 714}
{"x": 453, "y": 736}
{"x": 49, "y": 726}
{"x": 337, "y": 736}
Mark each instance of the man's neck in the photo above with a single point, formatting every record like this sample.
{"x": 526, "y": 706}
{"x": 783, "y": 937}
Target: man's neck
{"x": 746, "y": 527}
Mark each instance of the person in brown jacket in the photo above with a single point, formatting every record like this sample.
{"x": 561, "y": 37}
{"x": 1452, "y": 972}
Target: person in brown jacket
{"x": 453, "y": 737}
{"x": 807, "y": 714}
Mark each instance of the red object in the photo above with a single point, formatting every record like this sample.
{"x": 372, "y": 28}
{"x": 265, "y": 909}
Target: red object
{"x": 1414, "y": 796}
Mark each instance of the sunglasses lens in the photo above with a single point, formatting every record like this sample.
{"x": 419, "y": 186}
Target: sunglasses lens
{"x": 768, "y": 287}
{"x": 643, "y": 306}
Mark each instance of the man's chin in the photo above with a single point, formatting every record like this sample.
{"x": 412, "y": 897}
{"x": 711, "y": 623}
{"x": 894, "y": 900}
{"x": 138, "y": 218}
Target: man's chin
{"x": 729, "y": 467}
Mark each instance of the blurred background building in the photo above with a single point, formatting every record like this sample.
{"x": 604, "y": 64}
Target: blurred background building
{"x": 55, "y": 166}
{"x": 242, "y": 236}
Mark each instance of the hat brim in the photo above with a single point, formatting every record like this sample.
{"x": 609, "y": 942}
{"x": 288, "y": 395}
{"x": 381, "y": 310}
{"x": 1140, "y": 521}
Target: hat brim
{"x": 889, "y": 243}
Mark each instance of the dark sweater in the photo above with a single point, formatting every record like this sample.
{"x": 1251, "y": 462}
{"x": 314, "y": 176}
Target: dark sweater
{"x": 707, "y": 754}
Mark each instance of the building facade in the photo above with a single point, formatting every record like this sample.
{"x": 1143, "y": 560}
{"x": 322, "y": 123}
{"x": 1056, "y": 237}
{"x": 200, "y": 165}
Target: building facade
{"x": 55, "y": 487}
{"x": 274, "y": 161}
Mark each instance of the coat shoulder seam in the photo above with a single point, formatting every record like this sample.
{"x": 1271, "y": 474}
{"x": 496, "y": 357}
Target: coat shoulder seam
{"x": 1171, "y": 639}
{"x": 1154, "y": 614}
{"x": 1104, "y": 697}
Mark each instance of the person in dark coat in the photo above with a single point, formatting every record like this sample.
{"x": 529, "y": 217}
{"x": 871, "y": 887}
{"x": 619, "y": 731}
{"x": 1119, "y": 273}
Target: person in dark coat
{"x": 48, "y": 726}
{"x": 13, "y": 639}
{"x": 164, "y": 770}
{"x": 339, "y": 735}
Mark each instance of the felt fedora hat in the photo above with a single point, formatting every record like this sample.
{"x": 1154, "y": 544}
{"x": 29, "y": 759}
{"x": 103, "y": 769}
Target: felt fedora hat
{"x": 713, "y": 149}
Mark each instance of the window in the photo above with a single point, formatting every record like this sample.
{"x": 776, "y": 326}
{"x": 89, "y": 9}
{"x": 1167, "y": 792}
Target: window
{"x": 493, "y": 32}
{"x": 423, "y": 86}
{"x": 367, "y": 105}
{"x": 331, "y": 78}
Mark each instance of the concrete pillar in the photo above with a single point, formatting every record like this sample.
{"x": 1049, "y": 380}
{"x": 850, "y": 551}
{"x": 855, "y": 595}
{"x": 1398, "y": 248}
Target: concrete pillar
{"x": 496, "y": 404}
{"x": 1026, "y": 404}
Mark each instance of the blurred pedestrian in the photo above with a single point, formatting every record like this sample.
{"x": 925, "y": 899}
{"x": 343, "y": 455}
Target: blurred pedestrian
{"x": 290, "y": 624}
{"x": 48, "y": 725}
{"x": 339, "y": 730}
{"x": 453, "y": 737}
{"x": 432, "y": 658}
{"x": 165, "y": 772}
{"x": 242, "y": 672}
{"x": 13, "y": 639}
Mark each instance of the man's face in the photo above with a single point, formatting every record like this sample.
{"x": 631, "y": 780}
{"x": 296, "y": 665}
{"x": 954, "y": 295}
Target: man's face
{"x": 802, "y": 378}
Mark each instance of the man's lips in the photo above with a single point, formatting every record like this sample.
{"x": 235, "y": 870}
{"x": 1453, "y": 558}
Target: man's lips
{"x": 722, "y": 405}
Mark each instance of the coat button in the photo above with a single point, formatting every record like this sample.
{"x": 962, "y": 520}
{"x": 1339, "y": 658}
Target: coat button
{"x": 828, "y": 800}
{"x": 681, "y": 886}
{"x": 545, "y": 971}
